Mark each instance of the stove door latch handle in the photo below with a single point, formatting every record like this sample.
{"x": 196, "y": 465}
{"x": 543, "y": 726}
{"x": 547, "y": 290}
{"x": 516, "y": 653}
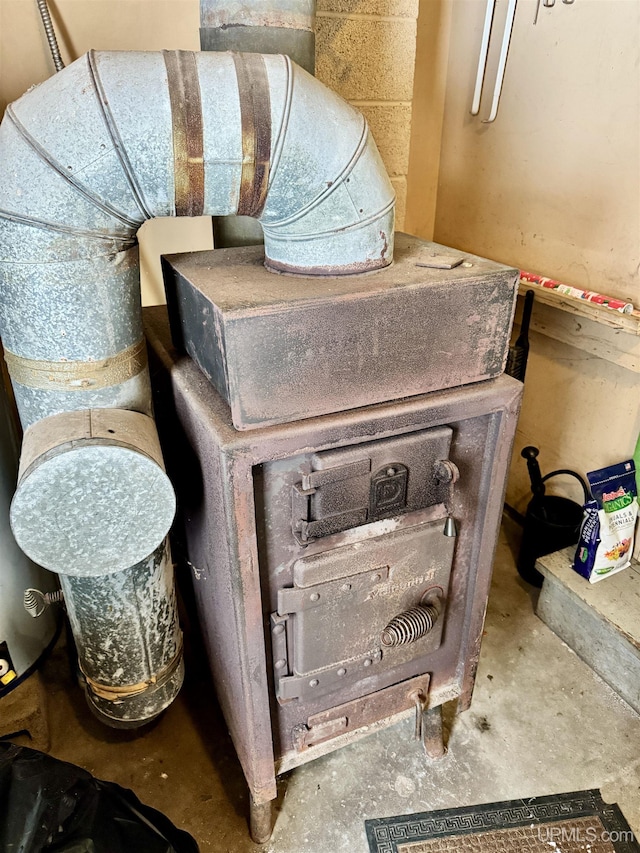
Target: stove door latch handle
{"x": 415, "y": 623}
{"x": 420, "y": 701}
{"x": 428, "y": 728}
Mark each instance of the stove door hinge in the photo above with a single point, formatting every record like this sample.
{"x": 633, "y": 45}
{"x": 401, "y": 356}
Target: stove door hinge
{"x": 293, "y": 600}
{"x": 279, "y": 645}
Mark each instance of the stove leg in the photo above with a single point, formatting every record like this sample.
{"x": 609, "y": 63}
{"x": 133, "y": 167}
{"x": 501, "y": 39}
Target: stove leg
{"x": 260, "y": 825}
{"x": 464, "y": 701}
{"x": 432, "y": 734}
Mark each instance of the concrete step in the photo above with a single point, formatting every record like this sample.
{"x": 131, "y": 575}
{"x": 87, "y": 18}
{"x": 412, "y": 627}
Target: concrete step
{"x": 600, "y": 622}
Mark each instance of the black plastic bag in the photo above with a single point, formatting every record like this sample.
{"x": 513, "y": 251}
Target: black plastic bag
{"x": 49, "y": 805}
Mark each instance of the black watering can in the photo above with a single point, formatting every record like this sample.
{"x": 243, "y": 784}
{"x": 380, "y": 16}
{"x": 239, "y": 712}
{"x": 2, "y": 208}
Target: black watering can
{"x": 551, "y": 522}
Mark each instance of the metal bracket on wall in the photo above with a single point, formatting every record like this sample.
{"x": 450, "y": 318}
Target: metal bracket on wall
{"x": 502, "y": 61}
{"x": 549, "y": 4}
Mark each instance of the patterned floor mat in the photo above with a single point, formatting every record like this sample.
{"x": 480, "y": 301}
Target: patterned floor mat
{"x": 563, "y": 823}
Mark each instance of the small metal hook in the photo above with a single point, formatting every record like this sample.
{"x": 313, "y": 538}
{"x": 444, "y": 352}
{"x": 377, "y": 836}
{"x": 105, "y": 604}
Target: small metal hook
{"x": 548, "y": 4}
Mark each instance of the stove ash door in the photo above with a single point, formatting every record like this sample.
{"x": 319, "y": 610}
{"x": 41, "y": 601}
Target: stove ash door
{"x": 359, "y": 546}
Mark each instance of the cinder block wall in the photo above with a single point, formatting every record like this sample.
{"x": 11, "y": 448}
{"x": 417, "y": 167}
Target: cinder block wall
{"x": 365, "y": 51}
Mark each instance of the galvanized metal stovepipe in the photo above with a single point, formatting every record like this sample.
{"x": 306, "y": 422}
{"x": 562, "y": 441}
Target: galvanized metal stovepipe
{"x": 117, "y": 138}
{"x": 85, "y": 159}
{"x": 261, "y": 26}
{"x": 255, "y": 26}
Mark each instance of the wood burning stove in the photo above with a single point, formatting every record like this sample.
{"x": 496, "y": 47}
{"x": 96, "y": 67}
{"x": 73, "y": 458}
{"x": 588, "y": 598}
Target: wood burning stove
{"x": 341, "y": 561}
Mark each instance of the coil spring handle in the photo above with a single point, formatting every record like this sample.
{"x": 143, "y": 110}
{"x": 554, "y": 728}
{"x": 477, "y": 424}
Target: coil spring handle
{"x": 415, "y": 623}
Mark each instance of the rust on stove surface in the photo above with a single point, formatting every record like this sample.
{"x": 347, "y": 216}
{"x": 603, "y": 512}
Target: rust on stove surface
{"x": 255, "y": 115}
{"x": 237, "y": 512}
{"x": 245, "y": 619}
{"x": 274, "y": 346}
{"x": 188, "y": 144}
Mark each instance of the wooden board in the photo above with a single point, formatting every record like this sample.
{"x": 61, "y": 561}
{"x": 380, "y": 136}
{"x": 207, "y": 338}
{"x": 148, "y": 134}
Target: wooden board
{"x": 600, "y": 622}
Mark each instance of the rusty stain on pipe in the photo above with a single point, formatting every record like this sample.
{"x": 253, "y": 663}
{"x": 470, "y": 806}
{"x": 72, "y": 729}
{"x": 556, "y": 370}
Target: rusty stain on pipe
{"x": 188, "y": 144}
{"x": 255, "y": 116}
{"x": 77, "y": 375}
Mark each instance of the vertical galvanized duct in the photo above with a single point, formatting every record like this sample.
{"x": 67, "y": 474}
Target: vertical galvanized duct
{"x": 94, "y": 505}
{"x": 85, "y": 158}
{"x": 256, "y": 26}
{"x": 128, "y": 639}
{"x": 261, "y": 26}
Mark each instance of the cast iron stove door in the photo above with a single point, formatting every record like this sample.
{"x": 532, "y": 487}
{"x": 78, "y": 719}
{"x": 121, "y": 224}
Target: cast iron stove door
{"x": 351, "y": 486}
{"x": 372, "y": 603}
{"x": 359, "y": 603}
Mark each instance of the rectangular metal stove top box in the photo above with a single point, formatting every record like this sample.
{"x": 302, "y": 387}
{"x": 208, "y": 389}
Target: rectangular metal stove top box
{"x": 281, "y": 348}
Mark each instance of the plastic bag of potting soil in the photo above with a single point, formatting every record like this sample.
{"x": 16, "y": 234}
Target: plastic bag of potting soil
{"x": 607, "y": 533}
{"x": 49, "y": 806}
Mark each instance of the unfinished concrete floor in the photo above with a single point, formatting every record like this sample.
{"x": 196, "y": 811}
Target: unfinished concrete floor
{"x": 541, "y": 723}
